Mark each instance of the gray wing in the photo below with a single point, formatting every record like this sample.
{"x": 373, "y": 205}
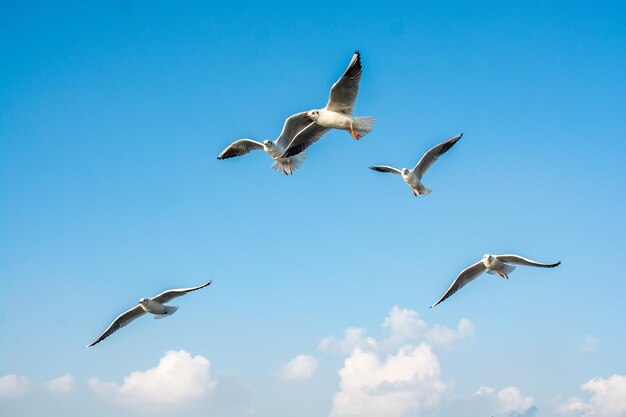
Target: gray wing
{"x": 466, "y": 276}
{"x": 518, "y": 260}
{"x": 344, "y": 91}
{"x": 169, "y": 295}
{"x": 386, "y": 168}
{"x": 432, "y": 155}
{"x": 240, "y": 147}
{"x": 305, "y": 138}
{"x": 293, "y": 125}
{"x": 121, "y": 321}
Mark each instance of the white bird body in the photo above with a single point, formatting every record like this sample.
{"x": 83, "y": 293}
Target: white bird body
{"x": 150, "y": 306}
{"x": 416, "y": 185}
{"x": 333, "y": 119}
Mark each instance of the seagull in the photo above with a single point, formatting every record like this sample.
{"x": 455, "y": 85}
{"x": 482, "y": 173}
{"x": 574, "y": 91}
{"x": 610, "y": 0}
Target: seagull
{"x": 414, "y": 176}
{"x": 152, "y": 305}
{"x": 338, "y": 111}
{"x": 501, "y": 265}
{"x": 293, "y": 125}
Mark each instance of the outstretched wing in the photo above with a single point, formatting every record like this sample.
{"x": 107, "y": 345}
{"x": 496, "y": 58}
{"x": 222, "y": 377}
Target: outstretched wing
{"x": 432, "y": 155}
{"x": 293, "y": 125}
{"x": 121, "y": 321}
{"x": 518, "y": 260}
{"x": 386, "y": 168}
{"x": 466, "y": 276}
{"x": 240, "y": 147}
{"x": 344, "y": 91}
{"x": 305, "y": 138}
{"x": 169, "y": 295}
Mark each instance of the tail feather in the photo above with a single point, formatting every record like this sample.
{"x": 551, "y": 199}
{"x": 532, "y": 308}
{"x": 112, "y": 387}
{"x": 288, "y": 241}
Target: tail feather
{"x": 423, "y": 190}
{"x": 364, "y": 125}
{"x": 296, "y": 162}
{"x": 169, "y": 310}
{"x": 507, "y": 269}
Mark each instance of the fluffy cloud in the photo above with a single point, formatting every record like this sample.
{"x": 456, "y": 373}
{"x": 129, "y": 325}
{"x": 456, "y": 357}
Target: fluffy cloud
{"x": 399, "y": 384}
{"x": 608, "y": 398}
{"x": 300, "y": 367}
{"x": 395, "y": 376}
{"x": 509, "y": 401}
{"x": 353, "y": 337}
{"x": 403, "y": 326}
{"x": 13, "y": 386}
{"x": 61, "y": 385}
{"x": 178, "y": 378}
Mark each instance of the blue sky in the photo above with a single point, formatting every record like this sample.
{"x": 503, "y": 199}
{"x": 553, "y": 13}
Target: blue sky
{"x": 111, "y": 118}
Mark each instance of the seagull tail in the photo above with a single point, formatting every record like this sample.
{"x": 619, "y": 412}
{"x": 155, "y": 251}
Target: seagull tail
{"x": 364, "y": 125}
{"x": 296, "y": 161}
{"x": 169, "y": 310}
{"x": 423, "y": 190}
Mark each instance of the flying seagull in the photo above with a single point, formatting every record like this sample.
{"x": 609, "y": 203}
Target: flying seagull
{"x": 338, "y": 111}
{"x": 293, "y": 125}
{"x": 152, "y": 305}
{"x": 501, "y": 265}
{"x": 414, "y": 176}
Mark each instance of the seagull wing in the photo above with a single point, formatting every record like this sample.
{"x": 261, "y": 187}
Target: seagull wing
{"x": 293, "y": 125}
{"x": 344, "y": 91}
{"x": 432, "y": 155}
{"x": 518, "y": 260}
{"x": 385, "y": 168}
{"x": 169, "y": 295}
{"x": 466, "y": 276}
{"x": 121, "y": 321}
{"x": 304, "y": 138}
{"x": 240, "y": 147}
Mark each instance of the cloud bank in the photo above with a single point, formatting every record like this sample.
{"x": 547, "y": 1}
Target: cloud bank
{"x": 13, "y": 386}
{"x": 608, "y": 398}
{"x": 395, "y": 376}
{"x": 178, "y": 379}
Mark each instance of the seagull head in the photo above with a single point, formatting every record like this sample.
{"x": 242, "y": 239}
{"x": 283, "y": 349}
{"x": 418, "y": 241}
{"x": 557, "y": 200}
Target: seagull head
{"x": 487, "y": 258}
{"x": 405, "y": 171}
{"x": 312, "y": 114}
{"x": 143, "y": 301}
{"x": 268, "y": 143}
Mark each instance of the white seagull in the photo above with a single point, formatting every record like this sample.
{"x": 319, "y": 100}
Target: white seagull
{"x": 501, "y": 265}
{"x": 152, "y": 305}
{"x": 414, "y": 177}
{"x": 338, "y": 111}
{"x": 293, "y": 125}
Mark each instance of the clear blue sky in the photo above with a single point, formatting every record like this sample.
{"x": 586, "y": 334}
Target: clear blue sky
{"x": 111, "y": 118}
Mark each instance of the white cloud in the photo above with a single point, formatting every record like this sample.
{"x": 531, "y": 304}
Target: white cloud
{"x": 61, "y": 385}
{"x": 608, "y": 398}
{"x": 590, "y": 344}
{"x": 178, "y": 378}
{"x": 508, "y": 401}
{"x": 13, "y": 386}
{"x": 400, "y": 384}
{"x": 353, "y": 337}
{"x": 403, "y": 326}
{"x": 395, "y": 376}
{"x": 300, "y": 367}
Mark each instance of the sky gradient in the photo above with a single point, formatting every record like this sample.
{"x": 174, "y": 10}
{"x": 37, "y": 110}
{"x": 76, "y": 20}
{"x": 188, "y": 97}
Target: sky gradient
{"x": 111, "y": 119}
